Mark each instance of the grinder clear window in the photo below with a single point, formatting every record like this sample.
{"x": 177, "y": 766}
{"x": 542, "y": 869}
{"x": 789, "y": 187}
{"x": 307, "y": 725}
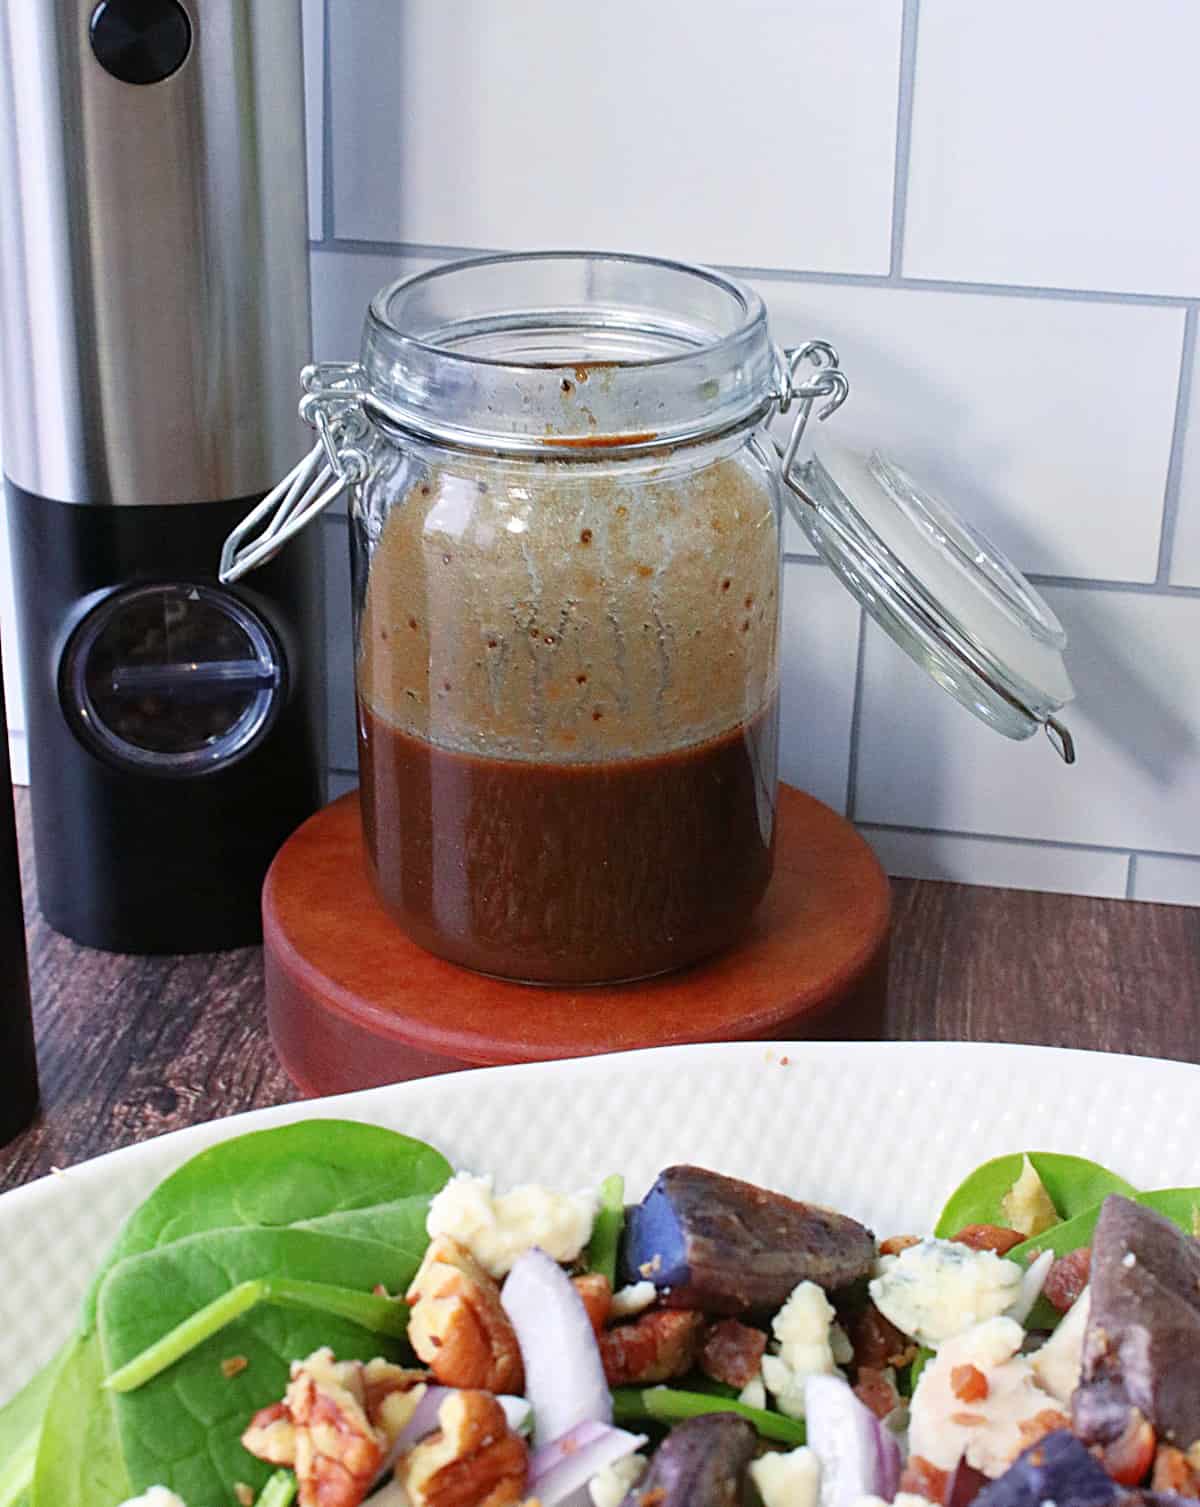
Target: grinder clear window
{"x": 172, "y": 679}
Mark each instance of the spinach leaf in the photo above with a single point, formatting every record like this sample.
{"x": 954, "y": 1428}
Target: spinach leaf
{"x": 20, "y": 1430}
{"x": 183, "y": 1427}
{"x": 401, "y": 1220}
{"x": 1073, "y": 1183}
{"x": 291, "y": 1174}
{"x": 1181, "y": 1205}
{"x": 79, "y": 1461}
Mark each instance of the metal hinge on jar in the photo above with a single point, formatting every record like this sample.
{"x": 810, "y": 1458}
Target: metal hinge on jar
{"x": 332, "y": 405}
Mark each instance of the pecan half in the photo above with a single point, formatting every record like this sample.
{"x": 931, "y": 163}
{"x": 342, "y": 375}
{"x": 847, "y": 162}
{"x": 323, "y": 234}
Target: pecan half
{"x": 457, "y": 1325}
{"x": 271, "y": 1435}
{"x": 474, "y": 1460}
{"x": 658, "y": 1346}
{"x": 335, "y": 1425}
{"x": 337, "y": 1451}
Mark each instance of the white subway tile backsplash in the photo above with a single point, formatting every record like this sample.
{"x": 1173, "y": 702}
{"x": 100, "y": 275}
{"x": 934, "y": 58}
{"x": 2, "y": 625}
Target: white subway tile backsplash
{"x": 339, "y": 647}
{"x": 343, "y": 284}
{"x": 313, "y": 20}
{"x": 819, "y": 628}
{"x": 1051, "y": 147}
{"x": 761, "y": 134}
{"x": 925, "y": 762}
{"x": 1008, "y": 865}
{"x": 1169, "y": 881}
{"x": 1055, "y": 145}
{"x": 1005, "y": 407}
{"x": 1185, "y": 556}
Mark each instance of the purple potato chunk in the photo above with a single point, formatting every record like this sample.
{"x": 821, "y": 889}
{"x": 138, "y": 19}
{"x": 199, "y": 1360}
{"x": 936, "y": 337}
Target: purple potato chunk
{"x": 1141, "y": 1347}
{"x": 701, "y": 1463}
{"x": 1058, "y": 1469}
{"x": 728, "y": 1247}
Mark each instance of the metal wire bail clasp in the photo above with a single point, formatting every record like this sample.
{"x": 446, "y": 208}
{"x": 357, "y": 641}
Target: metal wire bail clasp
{"x": 828, "y": 381}
{"x": 332, "y": 405}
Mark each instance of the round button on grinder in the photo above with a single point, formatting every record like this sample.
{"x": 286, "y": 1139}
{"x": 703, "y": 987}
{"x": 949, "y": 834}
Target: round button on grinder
{"x": 141, "y": 41}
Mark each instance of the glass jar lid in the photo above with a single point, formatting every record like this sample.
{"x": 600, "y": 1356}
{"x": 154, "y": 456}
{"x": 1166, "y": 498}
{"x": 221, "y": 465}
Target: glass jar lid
{"x": 945, "y": 593}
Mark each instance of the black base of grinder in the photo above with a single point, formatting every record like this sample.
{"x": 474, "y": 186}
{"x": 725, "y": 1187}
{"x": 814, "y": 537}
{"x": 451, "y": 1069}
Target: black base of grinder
{"x": 175, "y": 726}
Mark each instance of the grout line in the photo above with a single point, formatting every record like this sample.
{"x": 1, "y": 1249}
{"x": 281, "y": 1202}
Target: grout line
{"x": 856, "y": 716}
{"x": 327, "y": 128}
{"x": 355, "y": 247}
{"x": 1170, "y": 514}
{"x": 1073, "y": 583}
{"x": 904, "y": 115}
{"x": 950, "y": 285}
{"x": 1130, "y": 876}
{"x": 1134, "y": 588}
{"x": 1024, "y": 842}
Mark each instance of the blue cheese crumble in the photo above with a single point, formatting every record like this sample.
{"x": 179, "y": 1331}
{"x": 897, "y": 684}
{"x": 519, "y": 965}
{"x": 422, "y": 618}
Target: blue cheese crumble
{"x": 809, "y": 1343}
{"x": 498, "y": 1227}
{"x": 939, "y": 1289}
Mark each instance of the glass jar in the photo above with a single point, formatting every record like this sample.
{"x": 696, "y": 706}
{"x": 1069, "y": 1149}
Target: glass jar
{"x": 565, "y": 536}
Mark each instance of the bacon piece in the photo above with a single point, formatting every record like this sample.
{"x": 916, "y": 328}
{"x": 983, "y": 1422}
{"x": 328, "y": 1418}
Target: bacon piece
{"x": 732, "y": 1353}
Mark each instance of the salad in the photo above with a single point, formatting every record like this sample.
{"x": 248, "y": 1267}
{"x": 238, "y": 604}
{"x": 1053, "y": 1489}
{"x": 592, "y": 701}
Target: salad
{"x": 328, "y": 1314}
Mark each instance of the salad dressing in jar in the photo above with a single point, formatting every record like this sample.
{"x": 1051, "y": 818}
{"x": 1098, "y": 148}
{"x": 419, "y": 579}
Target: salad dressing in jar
{"x": 565, "y": 540}
{"x": 567, "y": 690}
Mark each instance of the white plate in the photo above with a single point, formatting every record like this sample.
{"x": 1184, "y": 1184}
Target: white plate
{"x": 882, "y": 1131}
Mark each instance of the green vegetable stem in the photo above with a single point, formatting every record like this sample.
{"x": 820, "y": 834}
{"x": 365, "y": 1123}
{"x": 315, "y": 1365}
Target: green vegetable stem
{"x": 279, "y": 1491}
{"x": 608, "y": 1228}
{"x": 666, "y": 1405}
{"x": 379, "y": 1315}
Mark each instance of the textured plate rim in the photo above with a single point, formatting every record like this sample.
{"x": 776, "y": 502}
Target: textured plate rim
{"x": 142, "y": 1164}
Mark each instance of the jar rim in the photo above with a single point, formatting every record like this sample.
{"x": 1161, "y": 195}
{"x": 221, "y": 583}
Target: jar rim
{"x": 563, "y": 351}
{"x": 751, "y": 304}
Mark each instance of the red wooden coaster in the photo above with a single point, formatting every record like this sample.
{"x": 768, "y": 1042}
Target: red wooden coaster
{"x": 353, "y": 1003}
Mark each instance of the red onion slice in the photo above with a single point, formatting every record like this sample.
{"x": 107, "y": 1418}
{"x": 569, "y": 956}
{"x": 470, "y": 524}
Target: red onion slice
{"x": 858, "y": 1456}
{"x": 562, "y": 1467}
{"x": 564, "y": 1375}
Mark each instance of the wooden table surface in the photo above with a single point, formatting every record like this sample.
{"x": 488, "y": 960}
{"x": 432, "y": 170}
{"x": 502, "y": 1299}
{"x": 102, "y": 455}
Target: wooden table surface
{"x": 131, "y": 1047}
